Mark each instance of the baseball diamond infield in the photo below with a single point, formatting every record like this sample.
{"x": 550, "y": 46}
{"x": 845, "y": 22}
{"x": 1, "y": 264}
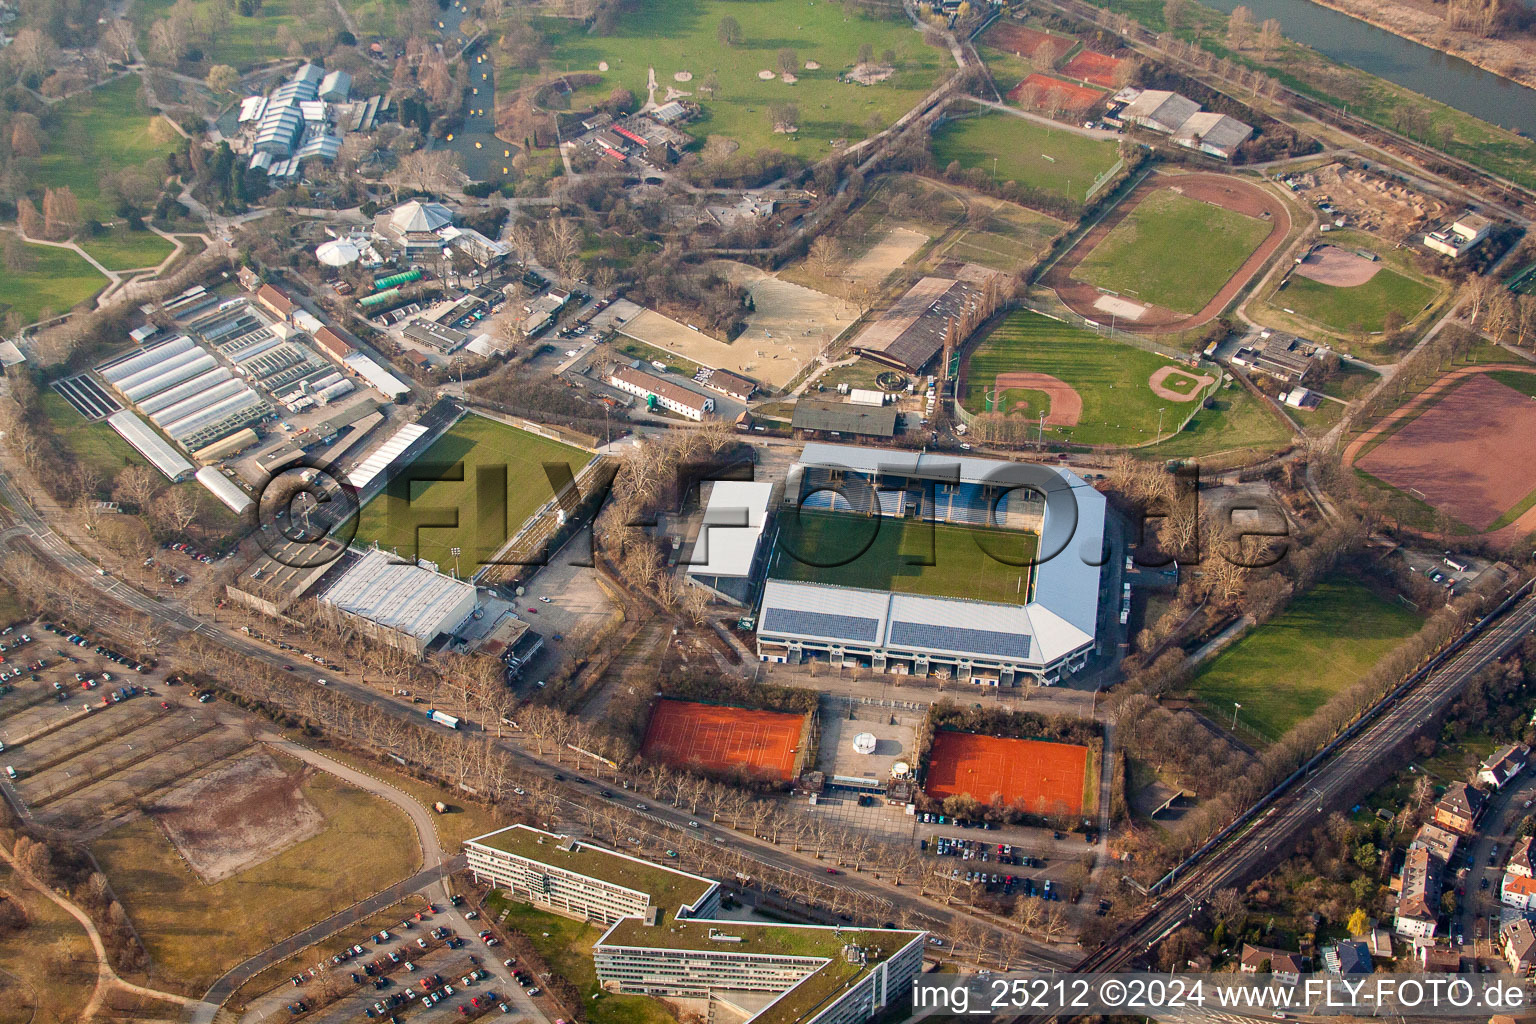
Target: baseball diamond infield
{"x": 1066, "y": 403}
{"x": 1328, "y": 264}
{"x": 1196, "y": 382}
{"x": 1220, "y": 190}
{"x": 1045, "y": 777}
{"x": 1454, "y": 456}
{"x": 724, "y": 738}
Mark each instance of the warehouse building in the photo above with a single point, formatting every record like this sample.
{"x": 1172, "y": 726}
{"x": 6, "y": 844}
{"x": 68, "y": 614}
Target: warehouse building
{"x": 910, "y": 333}
{"x": 404, "y": 605}
{"x": 726, "y": 556}
{"x": 815, "y": 418}
{"x": 664, "y": 939}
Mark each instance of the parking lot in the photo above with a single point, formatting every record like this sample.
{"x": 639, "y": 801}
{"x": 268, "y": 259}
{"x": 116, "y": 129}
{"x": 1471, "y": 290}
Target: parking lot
{"x": 86, "y": 736}
{"x": 377, "y": 984}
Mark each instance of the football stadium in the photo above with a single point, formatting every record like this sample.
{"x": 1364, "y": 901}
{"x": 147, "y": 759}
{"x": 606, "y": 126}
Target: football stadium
{"x": 934, "y": 565}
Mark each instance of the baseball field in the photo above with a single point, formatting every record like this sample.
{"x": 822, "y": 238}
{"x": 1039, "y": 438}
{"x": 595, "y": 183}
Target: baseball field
{"x": 1173, "y": 251}
{"x": 420, "y": 516}
{"x": 906, "y": 556}
{"x": 1358, "y": 309}
{"x": 1289, "y": 667}
{"x": 1113, "y": 380}
{"x": 1014, "y": 149}
{"x": 1043, "y": 777}
{"x": 720, "y": 739}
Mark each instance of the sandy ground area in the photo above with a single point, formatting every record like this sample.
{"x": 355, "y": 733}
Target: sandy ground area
{"x": 791, "y": 325}
{"x": 894, "y": 249}
{"x": 238, "y": 816}
{"x": 1331, "y": 265}
{"x": 1123, "y": 308}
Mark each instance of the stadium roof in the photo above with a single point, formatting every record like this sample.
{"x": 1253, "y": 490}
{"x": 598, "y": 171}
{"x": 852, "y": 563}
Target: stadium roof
{"x": 733, "y": 526}
{"x": 1061, "y": 617}
{"x": 384, "y": 454}
{"x": 844, "y": 418}
{"x": 403, "y": 596}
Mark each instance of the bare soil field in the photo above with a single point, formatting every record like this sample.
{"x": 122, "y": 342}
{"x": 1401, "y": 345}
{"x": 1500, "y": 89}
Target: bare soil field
{"x": 790, "y": 326}
{"x": 1328, "y": 264}
{"x": 238, "y": 815}
{"x": 893, "y": 249}
{"x": 1454, "y": 455}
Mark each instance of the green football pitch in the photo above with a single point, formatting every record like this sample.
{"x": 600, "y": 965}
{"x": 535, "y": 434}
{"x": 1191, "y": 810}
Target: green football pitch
{"x": 1173, "y": 251}
{"x": 437, "y": 516}
{"x": 907, "y": 556}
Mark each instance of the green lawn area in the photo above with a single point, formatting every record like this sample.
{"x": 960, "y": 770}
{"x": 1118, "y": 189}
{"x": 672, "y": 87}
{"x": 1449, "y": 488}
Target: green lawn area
{"x": 1031, "y": 154}
{"x": 246, "y": 41}
{"x": 681, "y": 35}
{"x": 449, "y": 513}
{"x": 1110, "y": 376}
{"x": 195, "y": 932}
{"x": 55, "y": 281}
{"x": 375, "y": 17}
{"x": 1236, "y": 425}
{"x": 96, "y": 132}
{"x": 1361, "y": 309}
{"x": 128, "y": 250}
{"x": 1289, "y": 667}
{"x": 566, "y": 946}
{"x": 1006, "y": 237}
{"x": 908, "y": 556}
{"x": 650, "y": 353}
{"x": 1173, "y": 251}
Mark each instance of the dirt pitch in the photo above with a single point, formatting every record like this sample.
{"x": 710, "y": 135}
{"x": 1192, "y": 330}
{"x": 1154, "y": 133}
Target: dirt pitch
{"x": 724, "y": 739}
{"x": 237, "y": 816}
{"x": 1066, "y": 403}
{"x": 1329, "y": 264}
{"x": 1221, "y": 190}
{"x": 1093, "y": 67}
{"x": 1455, "y": 455}
{"x": 1047, "y": 778}
{"x": 1045, "y": 90}
{"x": 893, "y": 249}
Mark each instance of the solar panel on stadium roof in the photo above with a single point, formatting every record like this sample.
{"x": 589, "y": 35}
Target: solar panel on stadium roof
{"x": 847, "y": 627}
{"x": 957, "y": 638}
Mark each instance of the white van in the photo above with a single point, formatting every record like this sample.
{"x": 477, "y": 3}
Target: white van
{"x": 11, "y": 773}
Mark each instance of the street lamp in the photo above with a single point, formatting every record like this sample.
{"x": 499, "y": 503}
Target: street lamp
{"x": 1235, "y": 708}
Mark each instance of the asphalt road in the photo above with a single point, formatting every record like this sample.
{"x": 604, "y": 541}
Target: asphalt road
{"x": 1335, "y": 783}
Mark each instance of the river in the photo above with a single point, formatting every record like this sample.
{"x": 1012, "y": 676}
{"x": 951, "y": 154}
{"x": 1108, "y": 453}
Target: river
{"x": 482, "y": 156}
{"x": 1450, "y": 80}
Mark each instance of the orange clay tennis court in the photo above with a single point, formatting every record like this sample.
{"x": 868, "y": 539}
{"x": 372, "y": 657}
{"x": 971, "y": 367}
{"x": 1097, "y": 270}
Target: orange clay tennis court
{"x": 723, "y": 739}
{"x": 1046, "y": 778}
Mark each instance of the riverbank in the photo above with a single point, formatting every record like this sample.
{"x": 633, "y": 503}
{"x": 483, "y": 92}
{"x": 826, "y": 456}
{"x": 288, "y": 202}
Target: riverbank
{"x": 1422, "y": 23}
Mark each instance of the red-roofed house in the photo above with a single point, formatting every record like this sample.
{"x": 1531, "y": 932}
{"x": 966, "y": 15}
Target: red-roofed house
{"x": 280, "y": 304}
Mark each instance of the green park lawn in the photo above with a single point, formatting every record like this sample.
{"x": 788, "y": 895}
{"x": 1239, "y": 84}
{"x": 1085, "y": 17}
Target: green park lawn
{"x": 95, "y": 133}
{"x": 244, "y": 42}
{"x": 1173, "y": 251}
{"x": 448, "y": 512}
{"x": 682, "y": 35}
{"x": 1034, "y": 156}
{"x": 1234, "y": 426}
{"x": 54, "y": 281}
{"x": 376, "y": 17}
{"x": 908, "y": 556}
{"x": 1289, "y": 667}
{"x": 1361, "y": 309}
{"x": 1111, "y": 377}
{"x": 127, "y": 250}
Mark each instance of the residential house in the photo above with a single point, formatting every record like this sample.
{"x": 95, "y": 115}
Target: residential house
{"x": 1441, "y": 842}
{"x": 1518, "y": 891}
{"x": 1347, "y": 958}
{"x": 1438, "y": 961}
{"x": 1286, "y": 967}
{"x": 1518, "y": 943}
{"x": 1504, "y": 765}
{"x": 1418, "y": 905}
{"x": 1460, "y": 807}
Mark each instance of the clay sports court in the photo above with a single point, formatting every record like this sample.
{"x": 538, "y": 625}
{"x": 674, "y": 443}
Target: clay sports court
{"x": 1046, "y": 91}
{"x": 724, "y": 739}
{"x": 1093, "y": 67}
{"x": 1328, "y": 264}
{"x": 1220, "y": 190}
{"x": 1047, "y": 778}
{"x": 1455, "y": 456}
{"x": 1026, "y": 42}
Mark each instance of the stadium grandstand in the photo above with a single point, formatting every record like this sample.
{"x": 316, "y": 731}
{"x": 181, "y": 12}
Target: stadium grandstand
{"x": 925, "y": 564}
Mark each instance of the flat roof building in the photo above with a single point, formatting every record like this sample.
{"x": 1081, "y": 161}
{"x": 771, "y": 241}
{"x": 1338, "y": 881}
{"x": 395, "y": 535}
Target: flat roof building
{"x": 726, "y": 557}
{"x": 660, "y": 391}
{"x": 663, "y": 938}
{"x": 813, "y": 416}
{"x": 401, "y": 604}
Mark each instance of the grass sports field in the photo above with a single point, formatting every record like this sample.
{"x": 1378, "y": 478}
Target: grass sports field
{"x": 1109, "y": 376}
{"x": 1361, "y": 309}
{"x": 1030, "y": 154}
{"x": 54, "y": 281}
{"x": 106, "y": 129}
{"x": 476, "y": 442}
{"x": 683, "y": 36}
{"x": 1173, "y": 251}
{"x": 848, "y": 550}
{"x": 723, "y": 739}
{"x": 1046, "y": 778}
{"x": 128, "y": 250}
{"x": 1289, "y": 667}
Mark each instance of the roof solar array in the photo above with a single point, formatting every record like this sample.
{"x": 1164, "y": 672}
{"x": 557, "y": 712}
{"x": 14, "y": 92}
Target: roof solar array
{"x": 959, "y": 638}
{"x": 848, "y": 627}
